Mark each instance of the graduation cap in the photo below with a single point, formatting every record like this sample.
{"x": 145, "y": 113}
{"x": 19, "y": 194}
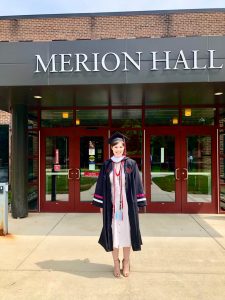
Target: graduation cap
{"x": 117, "y": 137}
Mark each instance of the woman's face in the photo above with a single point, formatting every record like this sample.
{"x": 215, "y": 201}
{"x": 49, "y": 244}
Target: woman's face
{"x": 118, "y": 149}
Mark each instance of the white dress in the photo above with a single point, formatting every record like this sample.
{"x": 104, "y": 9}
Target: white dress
{"x": 120, "y": 226}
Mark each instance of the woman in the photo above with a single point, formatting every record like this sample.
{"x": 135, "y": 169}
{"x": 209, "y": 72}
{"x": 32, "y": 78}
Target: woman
{"x": 119, "y": 193}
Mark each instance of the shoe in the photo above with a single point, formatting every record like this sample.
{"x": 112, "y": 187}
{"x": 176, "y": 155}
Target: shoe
{"x": 126, "y": 267}
{"x": 116, "y": 271}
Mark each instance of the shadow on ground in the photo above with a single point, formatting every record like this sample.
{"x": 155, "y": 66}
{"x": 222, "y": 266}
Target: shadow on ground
{"x": 79, "y": 267}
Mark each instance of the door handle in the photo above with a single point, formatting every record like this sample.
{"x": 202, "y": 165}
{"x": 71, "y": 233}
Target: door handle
{"x": 70, "y": 173}
{"x": 186, "y": 178}
{"x": 77, "y": 173}
{"x": 176, "y": 170}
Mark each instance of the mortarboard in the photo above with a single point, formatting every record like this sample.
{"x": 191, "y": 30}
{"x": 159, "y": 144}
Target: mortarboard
{"x": 117, "y": 136}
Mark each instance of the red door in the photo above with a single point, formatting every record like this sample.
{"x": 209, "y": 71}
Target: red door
{"x": 70, "y": 163}
{"x": 180, "y": 168}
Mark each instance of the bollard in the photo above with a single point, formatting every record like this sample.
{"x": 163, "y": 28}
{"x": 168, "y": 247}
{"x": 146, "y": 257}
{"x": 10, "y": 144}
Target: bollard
{"x": 3, "y": 208}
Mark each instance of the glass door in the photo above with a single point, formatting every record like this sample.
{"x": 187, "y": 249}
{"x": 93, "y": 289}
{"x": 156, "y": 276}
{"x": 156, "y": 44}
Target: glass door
{"x": 198, "y": 170}
{"x": 57, "y": 167}
{"x": 92, "y": 151}
{"x": 70, "y": 163}
{"x": 162, "y": 170}
{"x": 180, "y": 167}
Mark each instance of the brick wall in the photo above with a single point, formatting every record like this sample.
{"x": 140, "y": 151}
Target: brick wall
{"x": 5, "y": 117}
{"x": 165, "y": 24}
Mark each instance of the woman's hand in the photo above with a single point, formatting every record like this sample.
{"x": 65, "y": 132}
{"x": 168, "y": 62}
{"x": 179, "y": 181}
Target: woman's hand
{"x": 101, "y": 210}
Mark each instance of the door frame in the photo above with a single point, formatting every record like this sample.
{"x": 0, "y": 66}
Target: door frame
{"x": 180, "y": 205}
{"x": 87, "y": 206}
{"x": 73, "y": 204}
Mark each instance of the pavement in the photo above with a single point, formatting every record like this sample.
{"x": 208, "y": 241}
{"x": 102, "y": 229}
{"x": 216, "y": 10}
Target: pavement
{"x": 57, "y": 256}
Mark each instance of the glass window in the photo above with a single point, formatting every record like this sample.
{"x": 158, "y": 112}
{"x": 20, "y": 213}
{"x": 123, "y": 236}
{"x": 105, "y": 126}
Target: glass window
{"x": 32, "y": 143}
{"x": 91, "y": 159}
{"x": 32, "y": 119}
{"x": 162, "y": 160}
{"x": 32, "y": 170}
{"x": 92, "y": 117}
{"x": 222, "y": 143}
{"x": 126, "y": 118}
{"x": 199, "y": 161}
{"x": 198, "y": 116}
{"x": 56, "y": 118}
{"x": 57, "y": 168}
{"x": 222, "y": 197}
{"x": 161, "y": 117}
{"x": 32, "y": 197}
{"x": 222, "y": 117}
{"x": 222, "y": 170}
{"x": 4, "y": 153}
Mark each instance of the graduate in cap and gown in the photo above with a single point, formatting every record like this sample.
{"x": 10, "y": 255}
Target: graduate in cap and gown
{"x": 119, "y": 194}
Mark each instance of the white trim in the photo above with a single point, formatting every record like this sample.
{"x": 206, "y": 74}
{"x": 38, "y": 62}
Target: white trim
{"x": 97, "y": 200}
{"x": 141, "y": 199}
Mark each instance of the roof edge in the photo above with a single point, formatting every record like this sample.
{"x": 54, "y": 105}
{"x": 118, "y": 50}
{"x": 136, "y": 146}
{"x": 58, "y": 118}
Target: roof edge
{"x": 108, "y": 14}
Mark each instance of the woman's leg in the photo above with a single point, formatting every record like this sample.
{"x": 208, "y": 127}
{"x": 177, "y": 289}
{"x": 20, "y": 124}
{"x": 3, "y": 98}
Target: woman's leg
{"x": 115, "y": 254}
{"x": 126, "y": 261}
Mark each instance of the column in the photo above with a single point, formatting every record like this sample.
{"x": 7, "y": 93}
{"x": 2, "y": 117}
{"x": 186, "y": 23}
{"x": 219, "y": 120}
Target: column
{"x": 19, "y": 154}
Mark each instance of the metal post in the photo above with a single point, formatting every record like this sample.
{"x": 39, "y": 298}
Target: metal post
{"x": 3, "y": 208}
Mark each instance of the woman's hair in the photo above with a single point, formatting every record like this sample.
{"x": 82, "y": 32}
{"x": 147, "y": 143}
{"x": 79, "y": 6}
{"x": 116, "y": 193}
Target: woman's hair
{"x": 116, "y": 142}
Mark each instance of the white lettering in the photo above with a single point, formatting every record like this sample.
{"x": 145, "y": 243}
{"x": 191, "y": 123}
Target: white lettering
{"x": 137, "y": 65}
{"x": 45, "y": 68}
{"x": 166, "y": 60}
{"x": 81, "y": 62}
{"x": 195, "y": 61}
{"x": 211, "y": 60}
{"x": 117, "y": 61}
{"x": 64, "y": 62}
{"x": 95, "y": 62}
{"x": 181, "y": 60}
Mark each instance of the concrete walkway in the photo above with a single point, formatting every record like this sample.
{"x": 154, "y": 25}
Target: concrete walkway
{"x": 56, "y": 256}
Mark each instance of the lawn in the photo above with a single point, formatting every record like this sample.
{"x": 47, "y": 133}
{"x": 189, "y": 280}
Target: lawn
{"x": 197, "y": 184}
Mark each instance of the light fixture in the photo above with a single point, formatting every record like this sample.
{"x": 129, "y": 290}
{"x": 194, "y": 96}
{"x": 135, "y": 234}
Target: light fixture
{"x": 218, "y": 93}
{"x": 77, "y": 121}
{"x": 175, "y": 120}
{"x": 187, "y": 112}
{"x": 65, "y": 115}
{"x": 37, "y": 97}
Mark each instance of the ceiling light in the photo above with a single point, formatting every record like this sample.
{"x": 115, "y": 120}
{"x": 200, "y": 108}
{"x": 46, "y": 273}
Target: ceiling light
{"x": 187, "y": 112}
{"x": 37, "y": 97}
{"x": 65, "y": 115}
{"x": 175, "y": 121}
{"x": 218, "y": 93}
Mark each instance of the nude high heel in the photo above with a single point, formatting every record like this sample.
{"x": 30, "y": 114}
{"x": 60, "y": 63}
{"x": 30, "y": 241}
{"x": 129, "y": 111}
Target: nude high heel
{"x": 116, "y": 271}
{"x": 127, "y": 271}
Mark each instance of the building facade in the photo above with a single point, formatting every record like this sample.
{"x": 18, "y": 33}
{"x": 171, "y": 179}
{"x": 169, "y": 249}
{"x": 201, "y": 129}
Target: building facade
{"x": 69, "y": 81}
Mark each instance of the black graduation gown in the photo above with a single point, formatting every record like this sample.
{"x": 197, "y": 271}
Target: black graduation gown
{"x": 135, "y": 198}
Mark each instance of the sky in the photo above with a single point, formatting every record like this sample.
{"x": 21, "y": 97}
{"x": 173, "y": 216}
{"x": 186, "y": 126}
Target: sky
{"x": 34, "y": 7}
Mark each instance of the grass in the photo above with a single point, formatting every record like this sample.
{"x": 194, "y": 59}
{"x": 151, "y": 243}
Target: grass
{"x": 197, "y": 184}
{"x": 62, "y": 184}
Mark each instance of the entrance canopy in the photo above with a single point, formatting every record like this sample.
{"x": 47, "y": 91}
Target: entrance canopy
{"x": 116, "y": 95}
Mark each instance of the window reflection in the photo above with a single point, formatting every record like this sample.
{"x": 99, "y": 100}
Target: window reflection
{"x": 57, "y": 165}
{"x": 199, "y": 168}
{"x": 162, "y": 159}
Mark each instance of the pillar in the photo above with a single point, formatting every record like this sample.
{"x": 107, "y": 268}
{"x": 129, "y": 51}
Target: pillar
{"x": 19, "y": 152}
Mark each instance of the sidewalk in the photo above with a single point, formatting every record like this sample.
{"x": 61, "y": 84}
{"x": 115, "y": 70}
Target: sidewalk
{"x": 56, "y": 256}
